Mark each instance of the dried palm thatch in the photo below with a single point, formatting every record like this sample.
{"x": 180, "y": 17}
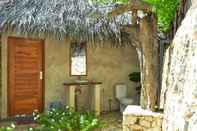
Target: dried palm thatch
{"x": 78, "y": 19}
{"x": 1, "y": 19}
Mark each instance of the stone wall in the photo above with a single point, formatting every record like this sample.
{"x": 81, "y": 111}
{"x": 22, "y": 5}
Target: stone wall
{"x": 180, "y": 77}
{"x": 137, "y": 119}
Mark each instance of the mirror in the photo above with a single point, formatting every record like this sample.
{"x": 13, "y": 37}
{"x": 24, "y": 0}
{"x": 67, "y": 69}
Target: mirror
{"x": 78, "y": 59}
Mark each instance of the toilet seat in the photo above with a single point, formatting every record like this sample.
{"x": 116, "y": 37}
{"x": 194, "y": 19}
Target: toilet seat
{"x": 126, "y": 101}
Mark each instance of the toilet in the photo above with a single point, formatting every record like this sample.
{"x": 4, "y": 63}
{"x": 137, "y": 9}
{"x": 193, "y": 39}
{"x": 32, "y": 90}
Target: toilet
{"x": 121, "y": 96}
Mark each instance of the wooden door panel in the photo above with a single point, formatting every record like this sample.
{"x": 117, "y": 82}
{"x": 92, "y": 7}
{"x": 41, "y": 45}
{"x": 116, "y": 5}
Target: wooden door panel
{"x": 25, "y": 88}
{"x": 26, "y": 105}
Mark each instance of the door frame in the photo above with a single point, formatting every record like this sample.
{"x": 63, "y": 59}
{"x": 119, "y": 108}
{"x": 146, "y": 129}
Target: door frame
{"x": 8, "y": 72}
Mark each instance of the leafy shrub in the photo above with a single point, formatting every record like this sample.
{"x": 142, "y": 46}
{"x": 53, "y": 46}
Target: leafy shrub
{"x": 9, "y": 128}
{"x": 135, "y": 77}
{"x": 66, "y": 120}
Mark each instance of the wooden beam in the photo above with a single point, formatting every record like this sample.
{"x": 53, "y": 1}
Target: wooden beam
{"x": 130, "y": 29}
{"x": 133, "y": 31}
{"x": 134, "y": 17}
{"x": 140, "y": 5}
{"x": 132, "y": 6}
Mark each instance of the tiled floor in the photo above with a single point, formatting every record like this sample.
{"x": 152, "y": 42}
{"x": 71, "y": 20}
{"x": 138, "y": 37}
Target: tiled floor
{"x": 112, "y": 120}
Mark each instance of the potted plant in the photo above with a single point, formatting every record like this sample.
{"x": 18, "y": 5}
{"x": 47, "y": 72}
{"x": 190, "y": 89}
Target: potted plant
{"x": 135, "y": 77}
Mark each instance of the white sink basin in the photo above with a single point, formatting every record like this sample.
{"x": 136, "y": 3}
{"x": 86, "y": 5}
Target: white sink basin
{"x": 81, "y": 81}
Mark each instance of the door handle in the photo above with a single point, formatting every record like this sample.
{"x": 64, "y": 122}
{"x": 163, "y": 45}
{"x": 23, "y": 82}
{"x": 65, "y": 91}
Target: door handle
{"x": 41, "y": 75}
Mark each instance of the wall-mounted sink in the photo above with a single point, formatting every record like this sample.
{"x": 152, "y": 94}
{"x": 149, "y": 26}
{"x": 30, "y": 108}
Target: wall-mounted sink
{"x": 81, "y": 81}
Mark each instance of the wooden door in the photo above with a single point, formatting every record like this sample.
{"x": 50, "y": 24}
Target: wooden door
{"x": 25, "y": 82}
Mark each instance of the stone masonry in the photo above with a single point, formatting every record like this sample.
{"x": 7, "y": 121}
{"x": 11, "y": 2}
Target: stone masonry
{"x": 179, "y": 84}
{"x": 137, "y": 119}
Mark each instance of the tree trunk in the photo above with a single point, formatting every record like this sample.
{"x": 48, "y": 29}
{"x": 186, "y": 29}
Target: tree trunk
{"x": 144, "y": 39}
{"x": 150, "y": 63}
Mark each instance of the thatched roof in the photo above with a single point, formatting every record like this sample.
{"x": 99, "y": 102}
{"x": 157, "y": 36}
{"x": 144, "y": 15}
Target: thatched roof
{"x": 78, "y": 19}
{"x": 1, "y": 19}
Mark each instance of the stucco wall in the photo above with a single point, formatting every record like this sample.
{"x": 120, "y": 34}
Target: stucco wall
{"x": 4, "y": 76}
{"x": 112, "y": 66}
{"x": 105, "y": 64}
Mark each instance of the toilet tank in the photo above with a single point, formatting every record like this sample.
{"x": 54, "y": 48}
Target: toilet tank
{"x": 120, "y": 91}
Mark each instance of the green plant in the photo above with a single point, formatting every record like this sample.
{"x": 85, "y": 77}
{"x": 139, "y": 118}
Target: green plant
{"x": 8, "y": 128}
{"x": 66, "y": 120}
{"x": 135, "y": 77}
{"x": 165, "y": 10}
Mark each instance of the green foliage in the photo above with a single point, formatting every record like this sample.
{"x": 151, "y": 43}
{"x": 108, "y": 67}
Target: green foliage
{"x": 69, "y": 120}
{"x": 9, "y": 128}
{"x": 164, "y": 9}
{"x": 135, "y": 77}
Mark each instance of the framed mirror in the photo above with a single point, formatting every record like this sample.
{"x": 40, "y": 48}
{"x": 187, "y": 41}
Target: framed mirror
{"x": 78, "y": 59}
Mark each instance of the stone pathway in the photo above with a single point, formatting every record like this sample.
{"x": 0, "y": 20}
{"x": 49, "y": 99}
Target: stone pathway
{"x": 113, "y": 121}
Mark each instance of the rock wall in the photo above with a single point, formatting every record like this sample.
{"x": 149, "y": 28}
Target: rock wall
{"x": 137, "y": 119}
{"x": 180, "y": 77}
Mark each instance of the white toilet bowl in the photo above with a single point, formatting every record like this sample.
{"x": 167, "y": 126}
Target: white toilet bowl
{"x": 124, "y": 102}
{"x": 121, "y": 96}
